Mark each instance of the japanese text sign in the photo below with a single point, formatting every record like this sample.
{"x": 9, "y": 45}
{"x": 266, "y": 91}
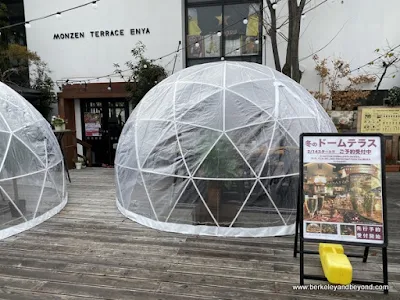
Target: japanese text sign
{"x": 342, "y": 188}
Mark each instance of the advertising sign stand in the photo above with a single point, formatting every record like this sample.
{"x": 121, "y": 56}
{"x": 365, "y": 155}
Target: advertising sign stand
{"x": 342, "y": 196}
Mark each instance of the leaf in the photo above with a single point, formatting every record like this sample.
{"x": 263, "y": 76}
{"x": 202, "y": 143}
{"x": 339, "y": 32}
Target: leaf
{"x": 393, "y": 76}
{"x": 391, "y": 54}
{"x": 371, "y": 63}
{"x": 377, "y": 50}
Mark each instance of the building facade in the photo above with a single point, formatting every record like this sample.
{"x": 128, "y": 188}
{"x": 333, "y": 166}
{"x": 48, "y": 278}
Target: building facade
{"x": 83, "y": 46}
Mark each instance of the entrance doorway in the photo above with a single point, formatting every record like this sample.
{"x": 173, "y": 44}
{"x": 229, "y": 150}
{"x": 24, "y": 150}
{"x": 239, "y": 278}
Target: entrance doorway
{"x": 102, "y": 123}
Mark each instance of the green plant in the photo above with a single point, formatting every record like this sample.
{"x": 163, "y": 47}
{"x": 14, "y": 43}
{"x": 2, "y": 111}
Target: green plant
{"x": 57, "y": 121}
{"x": 42, "y": 82}
{"x": 394, "y": 96}
{"x": 223, "y": 162}
{"x": 145, "y": 74}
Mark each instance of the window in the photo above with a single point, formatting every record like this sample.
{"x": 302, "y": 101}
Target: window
{"x": 224, "y": 28}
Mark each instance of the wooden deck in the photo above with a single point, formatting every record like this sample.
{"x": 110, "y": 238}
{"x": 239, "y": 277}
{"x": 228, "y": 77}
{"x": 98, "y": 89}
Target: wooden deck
{"x": 90, "y": 251}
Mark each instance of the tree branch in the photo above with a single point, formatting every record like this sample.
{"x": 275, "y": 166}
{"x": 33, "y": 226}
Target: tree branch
{"x": 322, "y": 48}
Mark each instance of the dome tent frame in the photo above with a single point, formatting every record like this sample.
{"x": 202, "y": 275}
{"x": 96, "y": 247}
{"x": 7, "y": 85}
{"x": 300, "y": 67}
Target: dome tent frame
{"x": 31, "y": 166}
{"x": 223, "y": 133}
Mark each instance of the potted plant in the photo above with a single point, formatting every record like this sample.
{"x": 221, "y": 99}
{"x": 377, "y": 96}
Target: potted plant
{"x": 79, "y": 163}
{"x": 58, "y": 123}
{"x": 391, "y": 165}
{"x": 222, "y": 162}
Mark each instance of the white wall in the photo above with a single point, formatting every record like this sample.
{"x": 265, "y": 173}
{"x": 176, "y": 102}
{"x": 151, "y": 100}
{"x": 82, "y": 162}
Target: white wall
{"x": 367, "y": 25}
{"x": 92, "y": 57}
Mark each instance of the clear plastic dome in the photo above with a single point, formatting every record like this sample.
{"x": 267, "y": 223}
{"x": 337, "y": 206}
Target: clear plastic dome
{"x": 32, "y": 181}
{"x": 213, "y": 150}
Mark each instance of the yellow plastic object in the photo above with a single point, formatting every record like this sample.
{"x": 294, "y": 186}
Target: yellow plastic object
{"x": 330, "y": 248}
{"x": 335, "y": 264}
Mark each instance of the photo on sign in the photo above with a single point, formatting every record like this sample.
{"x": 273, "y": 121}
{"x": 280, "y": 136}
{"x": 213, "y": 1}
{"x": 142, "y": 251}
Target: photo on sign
{"x": 342, "y": 193}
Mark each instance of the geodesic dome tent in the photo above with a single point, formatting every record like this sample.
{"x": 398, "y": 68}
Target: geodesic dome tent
{"x": 32, "y": 181}
{"x": 213, "y": 150}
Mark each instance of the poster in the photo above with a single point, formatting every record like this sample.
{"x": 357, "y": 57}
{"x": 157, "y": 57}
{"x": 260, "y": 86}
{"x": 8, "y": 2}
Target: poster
{"x": 212, "y": 45}
{"x": 380, "y": 120}
{"x": 92, "y": 124}
{"x": 342, "y": 189}
{"x": 195, "y": 46}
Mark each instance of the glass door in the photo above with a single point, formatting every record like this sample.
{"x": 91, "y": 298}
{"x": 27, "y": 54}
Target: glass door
{"x": 102, "y": 123}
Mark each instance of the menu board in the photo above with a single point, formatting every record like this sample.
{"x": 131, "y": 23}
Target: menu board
{"x": 380, "y": 120}
{"x": 342, "y": 189}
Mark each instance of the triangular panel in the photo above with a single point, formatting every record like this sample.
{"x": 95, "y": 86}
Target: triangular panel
{"x": 164, "y": 191}
{"x": 55, "y": 180}
{"x": 126, "y": 180}
{"x": 253, "y": 142}
{"x": 25, "y": 192}
{"x": 158, "y": 103}
{"x": 291, "y": 106}
{"x": 259, "y": 211}
{"x": 260, "y": 94}
{"x": 3, "y": 125}
{"x": 4, "y": 138}
{"x": 195, "y": 142}
{"x": 283, "y": 155}
{"x": 35, "y": 137}
{"x": 50, "y": 197}
{"x": 284, "y": 192}
{"x": 208, "y": 113}
{"x": 17, "y": 115}
{"x": 190, "y": 208}
{"x": 237, "y": 74}
{"x": 135, "y": 194}
{"x": 126, "y": 152}
{"x": 9, "y": 215}
{"x": 20, "y": 161}
{"x": 190, "y": 95}
{"x": 239, "y": 112}
{"x": 208, "y": 75}
{"x": 225, "y": 198}
{"x": 160, "y": 153}
{"x": 224, "y": 161}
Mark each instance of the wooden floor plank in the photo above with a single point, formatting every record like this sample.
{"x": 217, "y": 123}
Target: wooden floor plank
{"x": 90, "y": 251}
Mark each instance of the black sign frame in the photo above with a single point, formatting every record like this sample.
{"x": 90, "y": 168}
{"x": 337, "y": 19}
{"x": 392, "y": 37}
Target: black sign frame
{"x": 300, "y": 217}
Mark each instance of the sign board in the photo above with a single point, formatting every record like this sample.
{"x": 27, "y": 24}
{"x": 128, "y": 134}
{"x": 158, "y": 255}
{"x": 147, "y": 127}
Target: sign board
{"x": 385, "y": 120}
{"x": 342, "y": 183}
{"x": 92, "y": 124}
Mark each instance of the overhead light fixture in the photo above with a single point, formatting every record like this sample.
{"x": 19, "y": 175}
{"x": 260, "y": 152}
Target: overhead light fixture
{"x": 109, "y": 86}
{"x": 275, "y": 5}
{"x": 197, "y": 45}
{"x": 222, "y": 58}
{"x": 58, "y": 15}
{"x": 28, "y": 25}
{"x": 256, "y": 41}
{"x": 94, "y": 4}
{"x": 303, "y": 16}
{"x": 219, "y": 33}
{"x": 245, "y": 21}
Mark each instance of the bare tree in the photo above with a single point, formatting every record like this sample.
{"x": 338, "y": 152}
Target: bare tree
{"x": 296, "y": 9}
{"x": 388, "y": 58}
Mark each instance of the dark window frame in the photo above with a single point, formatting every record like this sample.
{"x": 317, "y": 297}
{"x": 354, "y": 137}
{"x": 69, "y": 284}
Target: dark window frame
{"x": 251, "y": 58}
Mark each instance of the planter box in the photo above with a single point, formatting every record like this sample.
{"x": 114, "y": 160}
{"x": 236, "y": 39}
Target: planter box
{"x": 392, "y": 168}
